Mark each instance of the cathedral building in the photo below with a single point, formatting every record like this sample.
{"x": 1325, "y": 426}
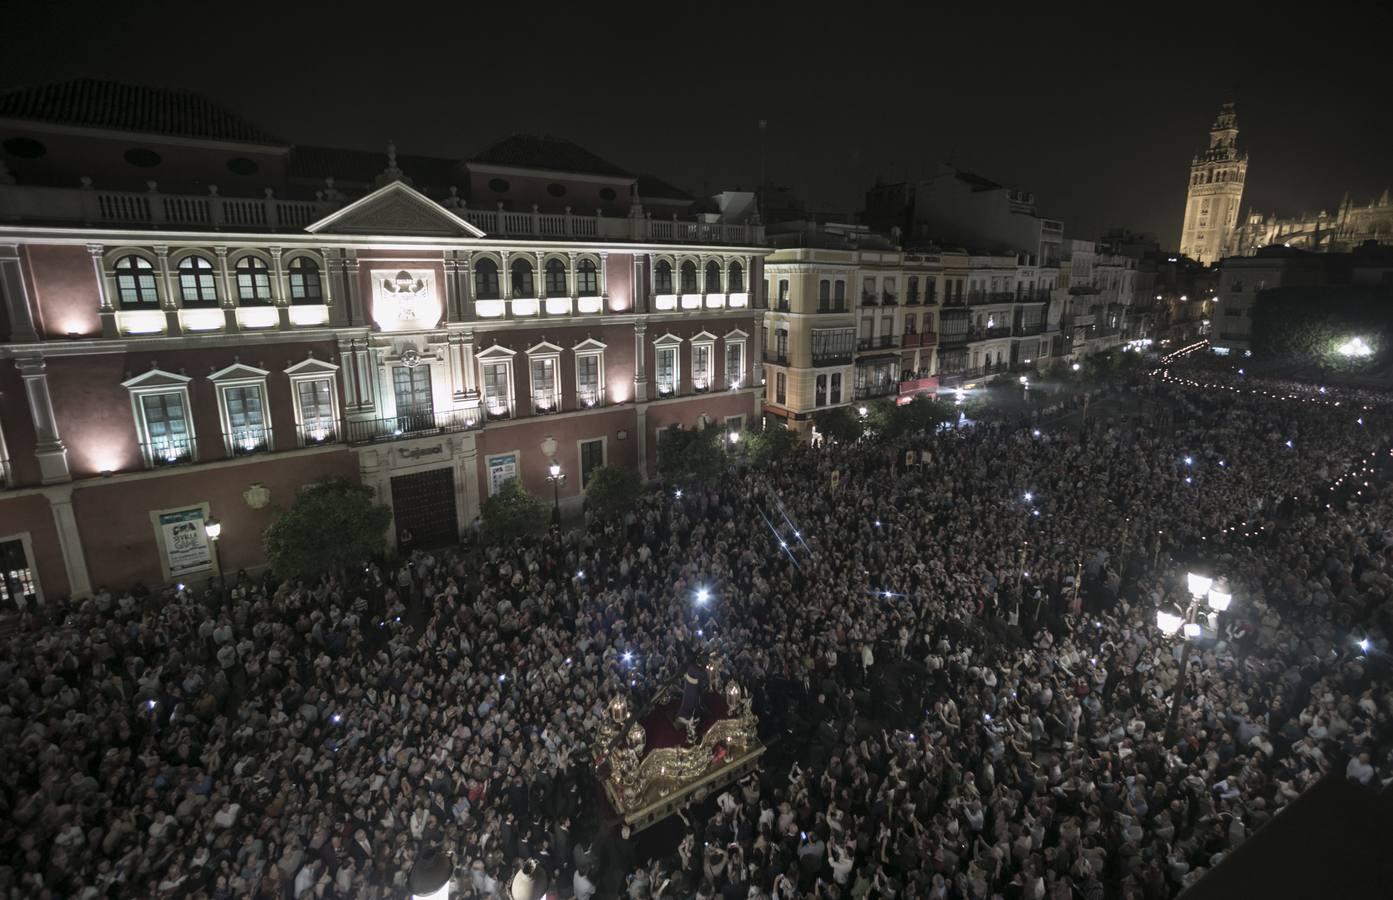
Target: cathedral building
{"x": 1215, "y": 191}
{"x": 197, "y": 318}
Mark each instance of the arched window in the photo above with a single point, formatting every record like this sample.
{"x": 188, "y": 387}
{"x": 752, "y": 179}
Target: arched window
{"x": 253, "y": 282}
{"x": 486, "y": 280}
{"x": 135, "y": 282}
{"x": 737, "y": 278}
{"x": 197, "y": 286}
{"x": 689, "y": 285}
{"x": 662, "y": 277}
{"x": 587, "y": 278}
{"x": 824, "y": 294}
{"x": 305, "y": 285}
{"x": 556, "y": 279}
{"x": 713, "y": 277}
{"x": 522, "y": 279}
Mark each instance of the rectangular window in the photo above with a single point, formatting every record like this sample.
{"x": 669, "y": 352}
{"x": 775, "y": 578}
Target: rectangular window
{"x": 592, "y": 456}
{"x": 824, "y": 295}
{"x": 820, "y": 391}
{"x": 17, "y": 585}
{"x": 588, "y": 379}
{"x": 316, "y": 399}
{"x": 735, "y": 364}
{"x": 735, "y": 424}
{"x": 835, "y": 395}
{"x": 667, "y": 371}
{"x": 781, "y": 344}
{"x": 246, "y": 418}
{"x": 780, "y": 389}
{"x": 166, "y": 428}
{"x": 839, "y": 296}
{"x": 496, "y": 400}
{"x": 544, "y": 393}
{"x": 701, "y": 366}
{"x": 415, "y": 406}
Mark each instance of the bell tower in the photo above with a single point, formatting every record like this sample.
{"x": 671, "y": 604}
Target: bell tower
{"x": 1215, "y": 191}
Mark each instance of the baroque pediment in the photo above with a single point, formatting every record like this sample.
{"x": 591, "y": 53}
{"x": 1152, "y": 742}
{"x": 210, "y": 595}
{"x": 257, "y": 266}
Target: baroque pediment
{"x": 395, "y": 209}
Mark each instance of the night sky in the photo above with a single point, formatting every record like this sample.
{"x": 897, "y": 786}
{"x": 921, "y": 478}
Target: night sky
{"x": 1096, "y": 109}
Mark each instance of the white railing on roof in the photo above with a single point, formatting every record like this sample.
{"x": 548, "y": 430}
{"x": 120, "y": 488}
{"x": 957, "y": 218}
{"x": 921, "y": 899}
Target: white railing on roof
{"x": 89, "y": 206}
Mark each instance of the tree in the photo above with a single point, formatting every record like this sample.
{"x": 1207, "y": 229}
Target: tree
{"x": 840, "y": 424}
{"x": 511, "y": 513}
{"x": 923, "y": 413}
{"x": 612, "y": 490}
{"x": 690, "y": 454}
{"x": 770, "y": 444}
{"x": 334, "y": 524}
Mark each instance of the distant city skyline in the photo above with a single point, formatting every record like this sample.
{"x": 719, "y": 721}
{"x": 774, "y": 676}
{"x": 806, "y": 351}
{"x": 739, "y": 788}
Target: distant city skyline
{"x": 1099, "y": 120}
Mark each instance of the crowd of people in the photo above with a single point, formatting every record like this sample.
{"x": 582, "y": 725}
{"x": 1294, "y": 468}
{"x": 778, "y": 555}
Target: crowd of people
{"x": 951, "y": 644}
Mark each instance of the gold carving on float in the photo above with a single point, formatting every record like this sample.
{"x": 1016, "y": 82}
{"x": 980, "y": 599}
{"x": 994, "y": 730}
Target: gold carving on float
{"x": 637, "y": 780}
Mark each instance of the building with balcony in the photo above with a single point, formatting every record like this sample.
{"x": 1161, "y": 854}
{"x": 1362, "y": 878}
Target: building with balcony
{"x": 168, "y": 356}
{"x": 1098, "y": 288}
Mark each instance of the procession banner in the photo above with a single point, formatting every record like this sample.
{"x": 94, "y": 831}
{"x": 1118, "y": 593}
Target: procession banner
{"x": 185, "y": 542}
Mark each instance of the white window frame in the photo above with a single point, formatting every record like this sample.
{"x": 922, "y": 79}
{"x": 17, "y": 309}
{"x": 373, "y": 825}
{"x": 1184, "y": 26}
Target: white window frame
{"x": 541, "y": 353}
{"x": 590, "y": 349}
{"x": 239, "y": 375}
{"x": 668, "y": 342}
{"x": 739, "y": 339}
{"x": 705, "y": 340}
{"x": 310, "y": 370}
{"x": 493, "y": 356}
{"x": 735, "y": 423}
{"x": 152, "y": 383}
{"x": 580, "y": 459}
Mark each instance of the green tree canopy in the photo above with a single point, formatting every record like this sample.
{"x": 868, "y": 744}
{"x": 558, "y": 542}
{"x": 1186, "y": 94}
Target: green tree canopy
{"x": 690, "y": 454}
{"x": 839, "y": 424}
{"x": 1308, "y": 325}
{"x": 511, "y": 513}
{"x": 612, "y": 490}
{"x": 771, "y": 444}
{"x": 334, "y": 524}
{"x": 923, "y": 413}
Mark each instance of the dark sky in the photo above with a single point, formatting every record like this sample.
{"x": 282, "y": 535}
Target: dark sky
{"x": 1096, "y": 109}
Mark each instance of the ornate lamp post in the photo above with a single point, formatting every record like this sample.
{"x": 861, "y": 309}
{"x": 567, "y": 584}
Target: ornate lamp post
{"x": 213, "y": 528}
{"x": 557, "y": 478}
{"x": 1173, "y": 621}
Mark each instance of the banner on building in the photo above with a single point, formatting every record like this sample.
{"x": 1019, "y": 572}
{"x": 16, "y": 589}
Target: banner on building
{"x": 184, "y": 542}
{"x": 501, "y": 468}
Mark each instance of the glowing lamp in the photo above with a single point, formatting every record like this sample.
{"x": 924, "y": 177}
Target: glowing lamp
{"x": 1192, "y": 629}
{"x": 1219, "y": 596}
{"x": 1168, "y": 622}
{"x": 213, "y": 528}
{"x": 862, "y": 411}
{"x": 1076, "y": 367}
{"x": 735, "y": 437}
{"x": 703, "y": 595}
{"x": 554, "y": 469}
{"x": 1198, "y": 584}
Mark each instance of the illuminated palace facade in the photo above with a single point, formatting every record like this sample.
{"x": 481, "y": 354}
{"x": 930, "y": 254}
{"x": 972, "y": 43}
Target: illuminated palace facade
{"x": 169, "y": 353}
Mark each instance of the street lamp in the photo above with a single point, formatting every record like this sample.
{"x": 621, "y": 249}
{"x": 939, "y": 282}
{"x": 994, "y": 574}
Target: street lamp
{"x": 557, "y": 478}
{"x": 1204, "y": 591}
{"x": 213, "y": 528}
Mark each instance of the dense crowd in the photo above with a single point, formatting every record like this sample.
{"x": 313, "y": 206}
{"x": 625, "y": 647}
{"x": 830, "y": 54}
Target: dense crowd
{"x": 950, "y": 641}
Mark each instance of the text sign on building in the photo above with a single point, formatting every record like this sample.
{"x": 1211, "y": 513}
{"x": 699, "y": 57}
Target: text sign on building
{"x": 501, "y": 469}
{"x": 184, "y": 542}
{"x": 405, "y": 299}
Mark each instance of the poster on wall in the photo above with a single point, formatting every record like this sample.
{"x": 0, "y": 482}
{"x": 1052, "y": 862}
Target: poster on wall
{"x": 501, "y": 468}
{"x": 185, "y": 542}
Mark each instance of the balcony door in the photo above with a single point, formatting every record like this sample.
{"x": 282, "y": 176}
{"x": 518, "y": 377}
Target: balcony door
{"x": 415, "y": 405}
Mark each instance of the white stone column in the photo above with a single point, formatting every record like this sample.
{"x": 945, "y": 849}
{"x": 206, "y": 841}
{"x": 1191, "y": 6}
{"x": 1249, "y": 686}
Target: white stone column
{"x": 366, "y": 370}
{"x": 465, "y": 274}
{"x": 604, "y": 280}
{"x": 170, "y": 294}
{"x": 468, "y": 476}
{"x": 347, "y": 371}
{"x": 229, "y": 302}
{"x": 539, "y": 278}
{"x": 70, "y": 543}
{"x": 571, "y": 273}
{"x": 356, "y": 314}
{"x": 458, "y": 388}
{"x": 48, "y": 445}
{"x": 641, "y": 436}
{"x": 106, "y": 313}
{"x": 338, "y": 314}
{"x": 280, "y": 297}
{"x": 640, "y": 364}
{"x": 15, "y": 297}
{"x": 451, "y": 286}
{"x": 505, "y": 275}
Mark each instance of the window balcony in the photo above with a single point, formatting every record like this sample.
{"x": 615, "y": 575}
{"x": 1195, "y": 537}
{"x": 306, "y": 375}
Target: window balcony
{"x": 169, "y": 451}
{"x": 545, "y": 403}
{"x": 496, "y": 408}
{"x": 410, "y": 425}
{"x": 884, "y": 342}
{"x": 666, "y": 387}
{"x": 881, "y": 388}
{"x": 1028, "y": 329}
{"x": 839, "y": 358}
{"x": 589, "y": 398}
{"x": 868, "y": 299}
{"x": 922, "y": 339}
{"x": 889, "y": 299}
{"x": 312, "y": 434}
{"x": 778, "y": 357}
{"x": 837, "y": 307}
{"x": 247, "y": 441}
{"x": 701, "y": 383}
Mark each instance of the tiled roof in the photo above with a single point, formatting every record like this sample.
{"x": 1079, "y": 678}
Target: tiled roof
{"x": 530, "y": 151}
{"x": 977, "y": 182}
{"x": 363, "y": 166}
{"x": 96, "y": 103}
{"x": 656, "y": 188}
